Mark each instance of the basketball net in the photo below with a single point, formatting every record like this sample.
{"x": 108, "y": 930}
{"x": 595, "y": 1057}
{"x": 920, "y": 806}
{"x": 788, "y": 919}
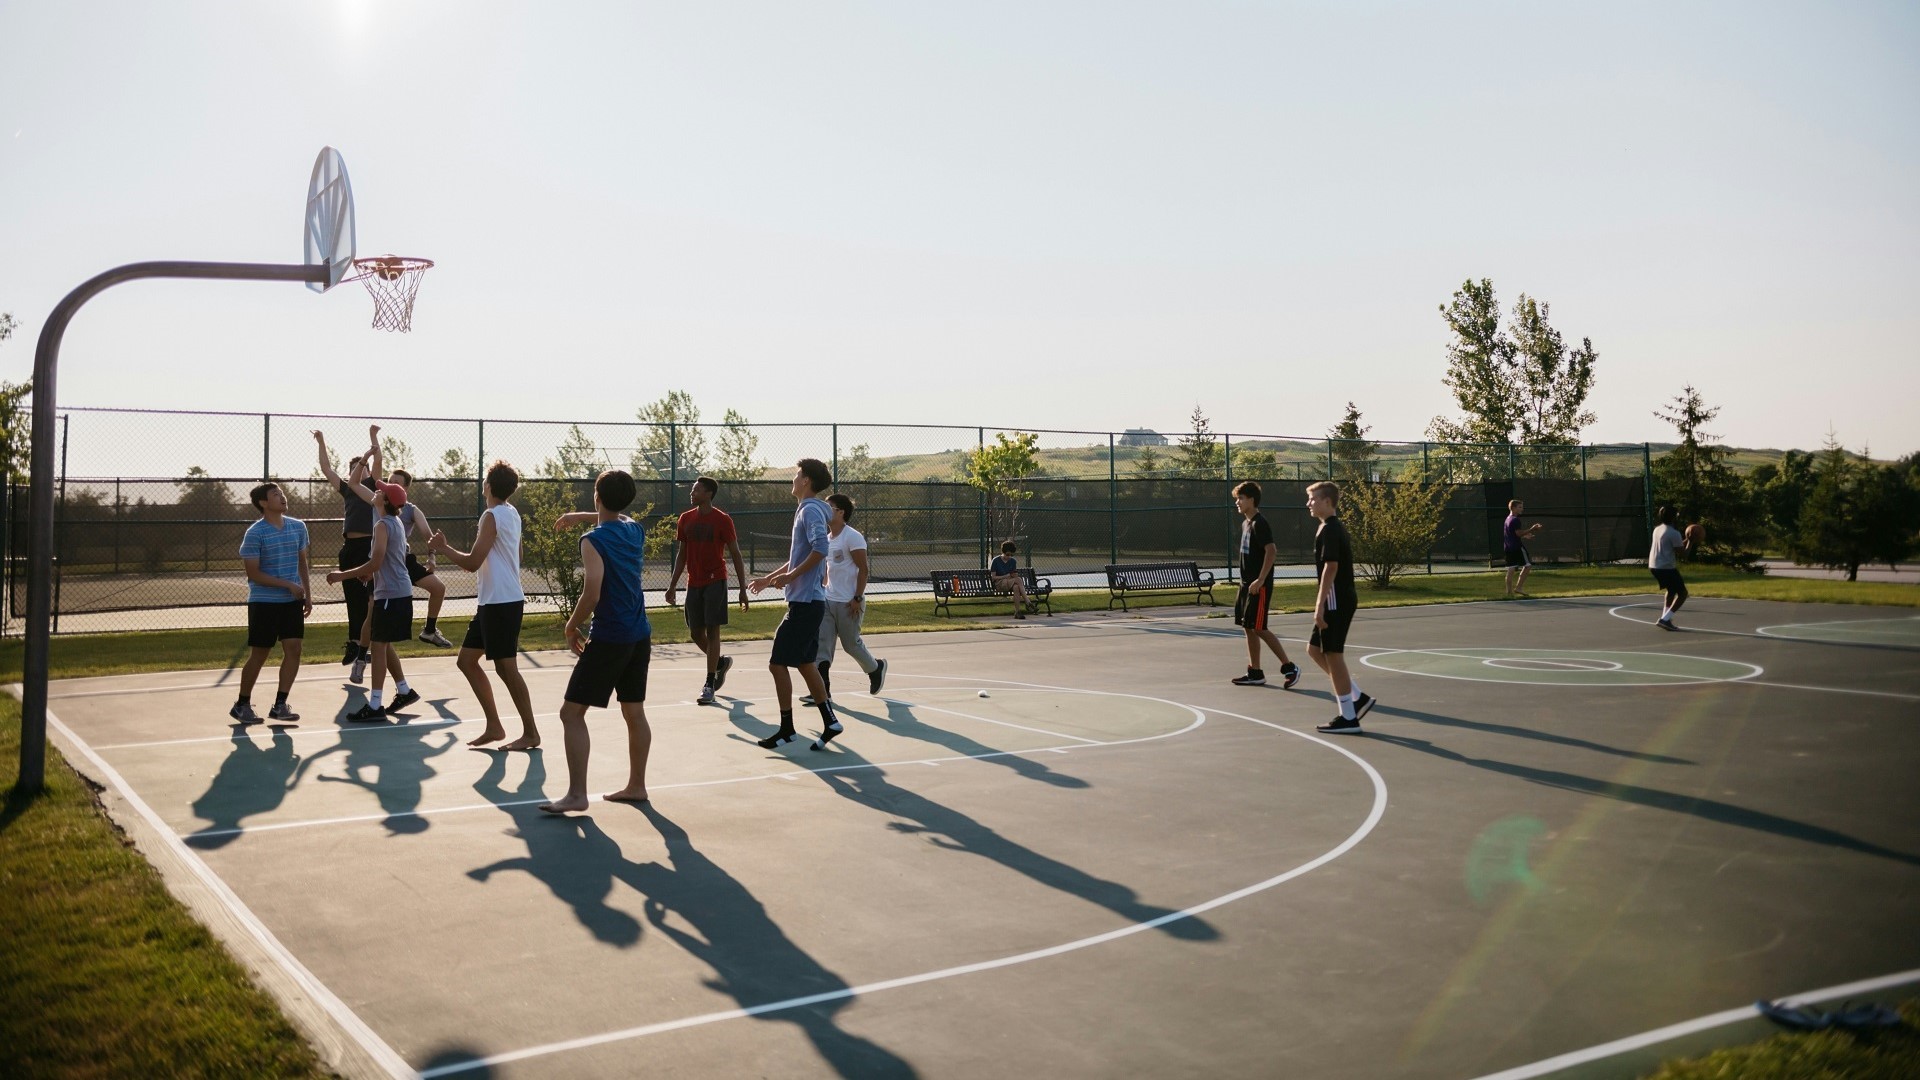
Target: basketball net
{"x": 392, "y": 281}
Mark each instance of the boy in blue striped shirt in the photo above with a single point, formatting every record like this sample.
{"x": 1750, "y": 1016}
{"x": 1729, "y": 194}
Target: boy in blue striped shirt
{"x": 278, "y": 599}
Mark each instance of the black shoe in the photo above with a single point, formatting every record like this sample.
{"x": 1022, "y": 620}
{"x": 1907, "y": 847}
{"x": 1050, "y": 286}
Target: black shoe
{"x": 1665, "y": 625}
{"x": 243, "y": 712}
{"x": 1362, "y": 705}
{"x": 777, "y": 739}
{"x": 1290, "y": 672}
{"x": 403, "y": 701}
{"x": 720, "y": 672}
{"x": 280, "y": 713}
{"x": 1341, "y": 726}
{"x": 806, "y": 700}
{"x": 1253, "y": 677}
{"x": 877, "y": 681}
{"x": 353, "y": 653}
{"x": 365, "y": 713}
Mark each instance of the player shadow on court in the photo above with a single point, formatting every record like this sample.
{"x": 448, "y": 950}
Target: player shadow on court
{"x": 1527, "y": 733}
{"x": 1705, "y": 809}
{"x": 951, "y": 830}
{"x": 901, "y": 721}
{"x": 753, "y": 959}
{"x": 252, "y": 780}
{"x": 401, "y": 758}
{"x": 466, "y": 1057}
{"x": 571, "y": 856}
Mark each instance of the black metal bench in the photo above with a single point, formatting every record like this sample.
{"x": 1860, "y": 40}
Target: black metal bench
{"x": 1126, "y": 579}
{"x": 973, "y": 584}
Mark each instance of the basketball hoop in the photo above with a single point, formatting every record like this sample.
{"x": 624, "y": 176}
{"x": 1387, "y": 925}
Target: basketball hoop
{"x": 392, "y": 281}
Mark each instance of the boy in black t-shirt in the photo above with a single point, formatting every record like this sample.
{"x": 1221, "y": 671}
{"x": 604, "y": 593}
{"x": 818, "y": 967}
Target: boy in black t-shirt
{"x": 1333, "y": 607}
{"x": 1256, "y": 589}
{"x": 1004, "y": 572}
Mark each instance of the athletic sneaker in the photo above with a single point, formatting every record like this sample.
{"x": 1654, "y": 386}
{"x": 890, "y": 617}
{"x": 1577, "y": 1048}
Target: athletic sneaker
{"x": 878, "y": 680}
{"x": 1290, "y": 672}
{"x": 1665, "y": 625}
{"x": 1362, "y": 705}
{"x": 706, "y": 696}
{"x": 720, "y": 672}
{"x": 365, "y": 713}
{"x": 281, "y": 712}
{"x": 359, "y": 673}
{"x": 402, "y": 701}
{"x": 243, "y": 712}
{"x": 353, "y": 653}
{"x": 778, "y": 738}
{"x": 435, "y": 638}
{"x": 1341, "y": 726}
{"x": 807, "y": 700}
{"x": 1253, "y": 677}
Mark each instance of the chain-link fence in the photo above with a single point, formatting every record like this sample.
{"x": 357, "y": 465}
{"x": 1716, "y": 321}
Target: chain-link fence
{"x": 152, "y": 505}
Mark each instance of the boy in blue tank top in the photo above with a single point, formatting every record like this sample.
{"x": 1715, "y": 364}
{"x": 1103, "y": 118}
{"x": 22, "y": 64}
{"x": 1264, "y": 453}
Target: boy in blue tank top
{"x": 614, "y": 648}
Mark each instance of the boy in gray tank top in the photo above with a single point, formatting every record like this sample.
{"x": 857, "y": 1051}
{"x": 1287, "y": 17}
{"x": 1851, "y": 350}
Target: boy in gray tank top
{"x": 391, "y": 618}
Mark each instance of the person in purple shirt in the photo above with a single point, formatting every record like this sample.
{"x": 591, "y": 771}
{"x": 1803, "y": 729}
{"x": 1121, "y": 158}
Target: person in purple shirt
{"x": 796, "y": 643}
{"x": 1513, "y": 537}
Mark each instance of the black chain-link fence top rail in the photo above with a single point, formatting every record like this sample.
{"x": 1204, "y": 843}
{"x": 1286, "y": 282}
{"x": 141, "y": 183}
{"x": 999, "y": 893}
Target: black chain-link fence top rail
{"x": 152, "y": 505}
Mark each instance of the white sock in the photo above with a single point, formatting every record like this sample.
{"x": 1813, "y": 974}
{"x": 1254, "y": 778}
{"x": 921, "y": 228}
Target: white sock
{"x": 1354, "y": 693}
{"x": 402, "y": 687}
{"x": 1346, "y": 707}
{"x": 374, "y": 699}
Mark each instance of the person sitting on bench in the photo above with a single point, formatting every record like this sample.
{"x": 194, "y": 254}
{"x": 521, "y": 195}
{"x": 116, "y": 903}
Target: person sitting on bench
{"x": 1005, "y": 572}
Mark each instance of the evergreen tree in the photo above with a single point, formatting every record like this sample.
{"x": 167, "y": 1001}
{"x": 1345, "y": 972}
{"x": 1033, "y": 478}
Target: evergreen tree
{"x": 1201, "y": 456}
{"x": 1353, "y": 455}
{"x": 739, "y": 447}
{"x": 1695, "y": 479}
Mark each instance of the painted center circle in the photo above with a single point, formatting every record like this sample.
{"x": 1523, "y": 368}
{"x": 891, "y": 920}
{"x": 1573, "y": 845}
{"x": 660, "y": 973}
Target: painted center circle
{"x": 1561, "y": 667}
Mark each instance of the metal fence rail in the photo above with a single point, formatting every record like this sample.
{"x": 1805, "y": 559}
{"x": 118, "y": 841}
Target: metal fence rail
{"x": 152, "y": 504}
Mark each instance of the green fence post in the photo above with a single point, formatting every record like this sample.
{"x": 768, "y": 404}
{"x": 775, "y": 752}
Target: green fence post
{"x": 60, "y": 521}
{"x": 1646, "y": 480}
{"x": 1426, "y": 477}
{"x": 1511, "y": 474}
{"x": 1329, "y": 459}
{"x": 673, "y": 453}
{"x": 1231, "y": 568}
{"x": 266, "y": 447}
{"x": 480, "y": 466}
{"x": 981, "y": 435}
{"x": 1113, "y": 503}
{"x": 836, "y": 453}
{"x": 1586, "y": 511}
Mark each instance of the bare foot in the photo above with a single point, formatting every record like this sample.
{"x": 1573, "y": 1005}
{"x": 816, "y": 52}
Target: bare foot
{"x": 627, "y": 795}
{"x": 524, "y": 742}
{"x": 568, "y": 805}
{"x": 492, "y": 734}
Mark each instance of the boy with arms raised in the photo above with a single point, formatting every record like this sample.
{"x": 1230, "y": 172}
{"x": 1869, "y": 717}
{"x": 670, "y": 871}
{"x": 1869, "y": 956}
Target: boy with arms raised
{"x": 500, "y": 604}
{"x": 356, "y": 538}
{"x": 705, "y": 533}
{"x": 1257, "y": 552}
{"x": 391, "y": 617}
{"x": 796, "y": 642}
{"x": 279, "y": 599}
{"x": 1333, "y": 607}
{"x": 422, "y": 574}
{"x": 614, "y": 649}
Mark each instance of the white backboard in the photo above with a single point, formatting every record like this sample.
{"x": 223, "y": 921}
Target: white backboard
{"x": 330, "y": 237}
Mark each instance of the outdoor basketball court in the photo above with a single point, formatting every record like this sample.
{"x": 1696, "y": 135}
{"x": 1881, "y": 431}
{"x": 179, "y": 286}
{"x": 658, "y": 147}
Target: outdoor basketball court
{"x": 1564, "y": 828}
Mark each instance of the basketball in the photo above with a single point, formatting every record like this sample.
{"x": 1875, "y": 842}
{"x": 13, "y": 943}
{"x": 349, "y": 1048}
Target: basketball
{"x": 1696, "y": 534}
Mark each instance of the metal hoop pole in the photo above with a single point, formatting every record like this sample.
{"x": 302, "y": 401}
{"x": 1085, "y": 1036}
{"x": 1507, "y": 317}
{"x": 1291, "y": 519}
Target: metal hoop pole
{"x": 46, "y": 361}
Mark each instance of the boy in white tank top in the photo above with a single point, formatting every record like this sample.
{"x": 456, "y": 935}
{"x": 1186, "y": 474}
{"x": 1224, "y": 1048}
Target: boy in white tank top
{"x": 495, "y": 630}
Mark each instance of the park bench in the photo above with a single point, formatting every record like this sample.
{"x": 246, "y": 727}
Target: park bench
{"x": 974, "y": 584}
{"x": 1127, "y": 579}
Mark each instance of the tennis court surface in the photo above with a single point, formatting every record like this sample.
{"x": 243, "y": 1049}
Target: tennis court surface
{"x": 1563, "y": 828}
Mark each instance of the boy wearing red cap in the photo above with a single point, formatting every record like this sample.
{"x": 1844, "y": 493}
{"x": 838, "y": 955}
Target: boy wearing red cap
{"x": 391, "y": 617}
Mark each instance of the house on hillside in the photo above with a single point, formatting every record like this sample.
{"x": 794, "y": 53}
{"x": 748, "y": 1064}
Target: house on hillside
{"x": 1139, "y": 436}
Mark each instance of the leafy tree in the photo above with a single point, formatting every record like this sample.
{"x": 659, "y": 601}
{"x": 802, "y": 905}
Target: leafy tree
{"x": 454, "y": 464}
{"x": 1856, "y": 513}
{"x": 737, "y": 450}
{"x": 1526, "y": 387}
{"x": 671, "y": 447}
{"x": 576, "y": 458}
{"x": 1146, "y": 464}
{"x": 1695, "y": 479}
{"x": 395, "y": 454}
{"x": 1393, "y": 525}
{"x": 1353, "y": 454}
{"x": 16, "y": 418}
{"x": 203, "y": 496}
{"x": 1000, "y": 469}
{"x": 552, "y": 554}
{"x": 1255, "y": 464}
{"x": 1777, "y": 492}
{"x": 858, "y": 465}
{"x": 1201, "y": 457}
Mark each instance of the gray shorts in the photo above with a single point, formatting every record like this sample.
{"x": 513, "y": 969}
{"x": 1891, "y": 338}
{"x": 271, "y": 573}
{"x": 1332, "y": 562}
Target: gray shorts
{"x": 707, "y": 605}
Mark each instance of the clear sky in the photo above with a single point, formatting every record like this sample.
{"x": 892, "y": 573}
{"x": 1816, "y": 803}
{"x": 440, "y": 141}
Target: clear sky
{"x": 1089, "y": 215}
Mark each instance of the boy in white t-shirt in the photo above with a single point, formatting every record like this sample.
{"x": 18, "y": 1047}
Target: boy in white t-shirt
{"x": 1664, "y": 560}
{"x": 495, "y": 630}
{"x": 846, "y": 598}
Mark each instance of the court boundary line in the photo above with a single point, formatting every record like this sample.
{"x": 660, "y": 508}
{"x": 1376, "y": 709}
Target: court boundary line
{"x": 1754, "y": 672}
{"x": 1375, "y": 813}
{"x": 1602, "y": 1051}
{"x": 377, "y": 1050}
{"x": 792, "y": 774}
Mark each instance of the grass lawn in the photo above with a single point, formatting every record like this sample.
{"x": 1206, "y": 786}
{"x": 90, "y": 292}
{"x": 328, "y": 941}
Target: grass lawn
{"x": 1884, "y": 1054}
{"x": 103, "y": 973}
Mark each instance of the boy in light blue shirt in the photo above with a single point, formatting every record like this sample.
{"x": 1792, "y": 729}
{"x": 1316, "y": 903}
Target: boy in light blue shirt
{"x": 278, "y": 600}
{"x": 796, "y": 643}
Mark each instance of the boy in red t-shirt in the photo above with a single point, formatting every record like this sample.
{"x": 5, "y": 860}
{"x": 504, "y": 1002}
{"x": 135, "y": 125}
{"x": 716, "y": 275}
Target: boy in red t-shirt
{"x": 705, "y": 533}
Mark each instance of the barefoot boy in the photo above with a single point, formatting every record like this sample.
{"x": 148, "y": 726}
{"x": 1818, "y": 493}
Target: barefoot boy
{"x": 615, "y": 649}
{"x": 1333, "y": 607}
{"x": 796, "y": 642}
{"x": 391, "y": 618}
{"x": 279, "y": 599}
{"x": 1257, "y": 553}
{"x": 706, "y": 534}
{"x": 501, "y": 603}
